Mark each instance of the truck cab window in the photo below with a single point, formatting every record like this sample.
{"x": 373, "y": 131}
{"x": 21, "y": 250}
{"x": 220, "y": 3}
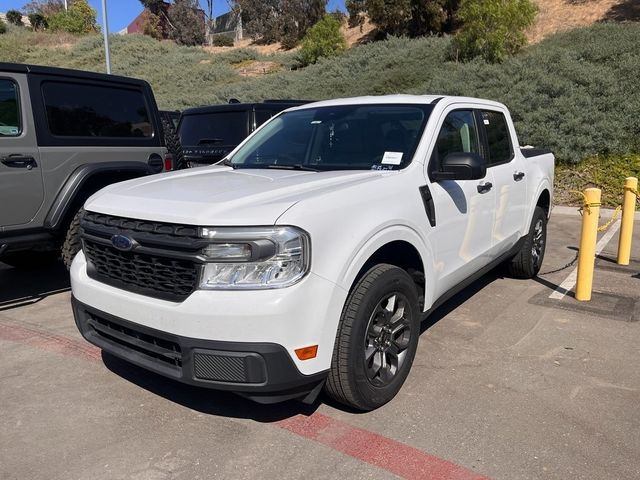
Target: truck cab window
{"x": 9, "y": 111}
{"x": 498, "y": 139}
{"x": 458, "y": 134}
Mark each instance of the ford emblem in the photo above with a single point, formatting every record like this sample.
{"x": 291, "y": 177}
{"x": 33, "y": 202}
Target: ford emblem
{"x": 122, "y": 242}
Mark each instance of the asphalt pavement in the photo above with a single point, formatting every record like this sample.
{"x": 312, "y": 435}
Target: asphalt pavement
{"x": 509, "y": 382}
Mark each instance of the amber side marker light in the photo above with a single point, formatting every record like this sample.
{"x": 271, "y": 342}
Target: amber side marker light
{"x": 307, "y": 353}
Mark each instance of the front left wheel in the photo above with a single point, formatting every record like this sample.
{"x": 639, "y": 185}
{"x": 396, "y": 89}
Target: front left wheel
{"x": 376, "y": 340}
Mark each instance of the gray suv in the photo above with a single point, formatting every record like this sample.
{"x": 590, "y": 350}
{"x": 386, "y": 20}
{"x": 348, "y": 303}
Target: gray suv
{"x": 64, "y": 135}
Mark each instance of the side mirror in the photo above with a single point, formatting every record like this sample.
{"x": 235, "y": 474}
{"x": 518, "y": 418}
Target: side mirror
{"x": 461, "y": 166}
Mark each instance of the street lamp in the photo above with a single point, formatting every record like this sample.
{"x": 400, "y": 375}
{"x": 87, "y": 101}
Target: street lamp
{"x": 105, "y": 31}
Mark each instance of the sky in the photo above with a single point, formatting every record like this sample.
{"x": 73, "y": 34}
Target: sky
{"x": 121, "y": 12}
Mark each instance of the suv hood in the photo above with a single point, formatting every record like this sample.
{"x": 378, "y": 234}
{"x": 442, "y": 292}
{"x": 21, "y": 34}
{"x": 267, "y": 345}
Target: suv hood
{"x": 219, "y": 195}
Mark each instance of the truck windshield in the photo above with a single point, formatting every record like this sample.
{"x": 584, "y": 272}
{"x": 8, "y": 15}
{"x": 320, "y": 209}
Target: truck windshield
{"x": 350, "y": 137}
{"x": 216, "y": 128}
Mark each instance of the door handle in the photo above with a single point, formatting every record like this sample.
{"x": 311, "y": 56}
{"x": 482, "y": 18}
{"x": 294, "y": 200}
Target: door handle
{"x": 19, "y": 161}
{"x": 485, "y": 187}
{"x": 518, "y": 176}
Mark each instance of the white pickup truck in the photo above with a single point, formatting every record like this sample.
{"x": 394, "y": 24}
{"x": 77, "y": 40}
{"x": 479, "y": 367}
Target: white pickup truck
{"x": 309, "y": 257}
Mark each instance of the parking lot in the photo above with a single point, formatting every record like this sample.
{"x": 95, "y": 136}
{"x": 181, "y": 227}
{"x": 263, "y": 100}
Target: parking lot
{"x": 509, "y": 382}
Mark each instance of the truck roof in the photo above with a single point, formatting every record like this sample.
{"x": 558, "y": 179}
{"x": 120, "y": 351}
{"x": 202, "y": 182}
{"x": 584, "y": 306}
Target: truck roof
{"x": 399, "y": 99}
{"x": 67, "y": 72}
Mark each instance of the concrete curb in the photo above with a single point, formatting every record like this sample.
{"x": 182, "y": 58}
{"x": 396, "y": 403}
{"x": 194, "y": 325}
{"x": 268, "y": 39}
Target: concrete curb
{"x": 573, "y": 212}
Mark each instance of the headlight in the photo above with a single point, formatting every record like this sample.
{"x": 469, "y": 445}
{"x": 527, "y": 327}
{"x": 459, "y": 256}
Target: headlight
{"x": 254, "y": 258}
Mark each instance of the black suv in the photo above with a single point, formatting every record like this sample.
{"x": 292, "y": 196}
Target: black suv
{"x": 208, "y": 134}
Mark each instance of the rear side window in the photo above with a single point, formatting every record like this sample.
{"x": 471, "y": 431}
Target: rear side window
{"x": 262, "y": 116}
{"x": 498, "y": 139}
{"x": 95, "y": 111}
{"x": 218, "y": 128}
{"x": 458, "y": 134}
{"x": 9, "y": 111}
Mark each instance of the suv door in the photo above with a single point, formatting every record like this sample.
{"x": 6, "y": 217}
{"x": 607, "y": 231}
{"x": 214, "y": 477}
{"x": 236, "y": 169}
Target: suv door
{"x": 508, "y": 174}
{"x": 463, "y": 208}
{"x": 21, "y": 188}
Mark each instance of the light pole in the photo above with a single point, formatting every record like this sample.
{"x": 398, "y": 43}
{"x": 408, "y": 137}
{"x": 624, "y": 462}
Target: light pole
{"x": 65, "y": 5}
{"x": 105, "y": 30}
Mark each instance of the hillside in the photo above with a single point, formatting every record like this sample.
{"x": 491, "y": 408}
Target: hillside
{"x": 556, "y": 16}
{"x": 573, "y": 92}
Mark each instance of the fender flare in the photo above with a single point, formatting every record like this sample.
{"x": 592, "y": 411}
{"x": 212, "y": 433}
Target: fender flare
{"x": 378, "y": 240}
{"x": 544, "y": 185}
{"x": 78, "y": 178}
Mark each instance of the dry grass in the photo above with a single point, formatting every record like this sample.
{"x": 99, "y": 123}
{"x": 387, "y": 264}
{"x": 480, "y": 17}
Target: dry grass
{"x": 562, "y": 15}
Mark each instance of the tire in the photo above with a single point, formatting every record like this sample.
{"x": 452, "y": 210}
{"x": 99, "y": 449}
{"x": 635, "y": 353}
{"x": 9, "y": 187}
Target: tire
{"x": 29, "y": 259}
{"x": 528, "y": 261}
{"x": 172, "y": 141}
{"x": 72, "y": 243}
{"x": 364, "y": 331}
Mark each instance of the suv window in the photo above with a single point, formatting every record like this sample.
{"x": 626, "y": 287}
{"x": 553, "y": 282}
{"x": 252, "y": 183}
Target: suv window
{"x": 216, "y": 128}
{"x": 498, "y": 140}
{"x": 458, "y": 134}
{"x": 9, "y": 111}
{"x": 81, "y": 110}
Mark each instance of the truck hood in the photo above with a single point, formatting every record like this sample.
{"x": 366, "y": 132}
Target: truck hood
{"x": 219, "y": 195}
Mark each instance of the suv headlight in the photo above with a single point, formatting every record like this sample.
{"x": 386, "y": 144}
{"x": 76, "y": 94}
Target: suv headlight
{"x": 254, "y": 257}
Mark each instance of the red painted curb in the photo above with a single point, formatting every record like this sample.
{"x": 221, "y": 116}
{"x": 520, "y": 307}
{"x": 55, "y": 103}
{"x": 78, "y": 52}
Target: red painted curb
{"x": 391, "y": 455}
{"x": 369, "y": 447}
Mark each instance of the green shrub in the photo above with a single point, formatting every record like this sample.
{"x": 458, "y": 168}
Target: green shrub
{"x": 493, "y": 29}
{"x": 79, "y": 19}
{"x": 324, "y": 39}
{"x": 3, "y": 27}
{"x": 38, "y": 21}
{"x": 14, "y": 17}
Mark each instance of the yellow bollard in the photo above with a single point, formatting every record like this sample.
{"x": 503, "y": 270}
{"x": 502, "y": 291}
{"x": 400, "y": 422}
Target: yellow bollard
{"x": 588, "y": 238}
{"x": 628, "y": 216}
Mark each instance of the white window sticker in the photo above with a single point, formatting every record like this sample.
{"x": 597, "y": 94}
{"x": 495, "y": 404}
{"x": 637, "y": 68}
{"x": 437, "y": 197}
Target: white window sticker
{"x": 486, "y": 122}
{"x": 392, "y": 158}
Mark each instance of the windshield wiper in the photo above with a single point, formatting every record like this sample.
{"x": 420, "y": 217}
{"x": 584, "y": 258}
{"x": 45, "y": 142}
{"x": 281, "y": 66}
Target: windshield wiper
{"x": 296, "y": 166}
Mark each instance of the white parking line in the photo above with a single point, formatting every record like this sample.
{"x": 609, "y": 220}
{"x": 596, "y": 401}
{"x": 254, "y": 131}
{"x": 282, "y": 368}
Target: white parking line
{"x": 570, "y": 282}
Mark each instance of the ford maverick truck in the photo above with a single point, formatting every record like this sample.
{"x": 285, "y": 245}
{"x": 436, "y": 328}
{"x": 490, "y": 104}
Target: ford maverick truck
{"x": 309, "y": 256}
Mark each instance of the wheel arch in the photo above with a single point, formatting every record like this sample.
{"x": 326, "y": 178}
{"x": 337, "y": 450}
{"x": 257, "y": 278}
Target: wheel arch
{"x": 399, "y": 246}
{"x": 84, "y": 182}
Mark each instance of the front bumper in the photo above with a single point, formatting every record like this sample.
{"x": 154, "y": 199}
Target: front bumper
{"x": 263, "y": 372}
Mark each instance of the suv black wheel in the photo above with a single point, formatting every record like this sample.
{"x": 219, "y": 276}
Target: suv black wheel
{"x": 527, "y": 262}
{"x": 377, "y": 339}
{"x": 72, "y": 243}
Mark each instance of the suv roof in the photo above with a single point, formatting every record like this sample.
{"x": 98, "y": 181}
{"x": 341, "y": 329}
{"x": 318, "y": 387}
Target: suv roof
{"x": 67, "y": 72}
{"x": 240, "y": 107}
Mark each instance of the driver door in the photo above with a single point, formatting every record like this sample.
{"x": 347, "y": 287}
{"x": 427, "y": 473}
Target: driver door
{"x": 21, "y": 188}
{"x": 464, "y": 209}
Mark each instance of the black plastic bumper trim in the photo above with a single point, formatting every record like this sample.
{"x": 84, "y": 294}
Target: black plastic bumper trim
{"x": 266, "y": 360}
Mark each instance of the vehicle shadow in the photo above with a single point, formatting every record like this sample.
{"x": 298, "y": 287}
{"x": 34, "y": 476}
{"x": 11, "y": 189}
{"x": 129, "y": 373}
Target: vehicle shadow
{"x": 220, "y": 403}
{"x": 203, "y": 400}
{"x": 20, "y": 287}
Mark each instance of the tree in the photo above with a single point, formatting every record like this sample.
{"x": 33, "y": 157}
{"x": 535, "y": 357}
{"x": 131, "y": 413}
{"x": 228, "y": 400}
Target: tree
{"x": 404, "y": 17}
{"x": 80, "y": 19}
{"x": 151, "y": 24}
{"x": 44, "y": 7}
{"x": 187, "y": 22}
{"x": 14, "y": 17}
{"x": 3, "y": 27}
{"x": 324, "y": 39}
{"x": 493, "y": 29}
{"x": 38, "y": 21}
{"x": 285, "y": 21}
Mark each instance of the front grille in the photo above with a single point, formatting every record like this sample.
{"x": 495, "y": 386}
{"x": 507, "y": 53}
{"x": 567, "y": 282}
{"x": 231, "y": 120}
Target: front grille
{"x": 147, "y": 274}
{"x": 153, "y": 347}
{"x": 163, "y": 263}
